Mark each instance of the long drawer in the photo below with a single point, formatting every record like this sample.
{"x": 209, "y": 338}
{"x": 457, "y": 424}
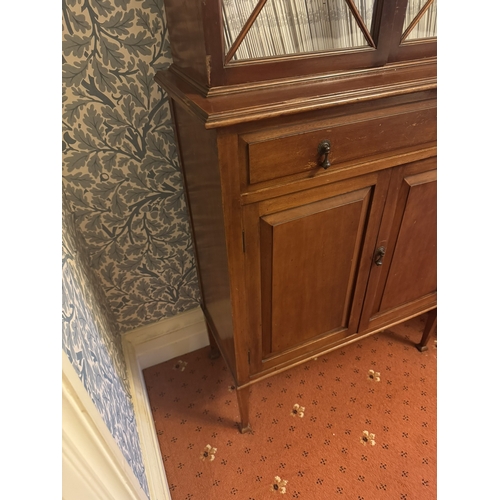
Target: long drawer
{"x": 350, "y": 138}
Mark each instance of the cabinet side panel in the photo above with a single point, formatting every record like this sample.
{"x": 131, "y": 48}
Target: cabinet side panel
{"x": 186, "y": 36}
{"x": 202, "y": 182}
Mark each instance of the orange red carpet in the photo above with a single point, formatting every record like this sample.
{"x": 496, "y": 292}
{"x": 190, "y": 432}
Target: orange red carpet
{"x": 356, "y": 424}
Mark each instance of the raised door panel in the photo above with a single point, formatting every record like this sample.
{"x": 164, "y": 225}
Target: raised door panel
{"x": 414, "y": 259}
{"x": 305, "y": 274}
{"x": 312, "y": 254}
{"x": 406, "y": 281}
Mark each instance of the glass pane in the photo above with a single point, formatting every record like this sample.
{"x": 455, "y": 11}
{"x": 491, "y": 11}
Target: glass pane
{"x": 235, "y": 14}
{"x": 365, "y": 8}
{"x": 295, "y": 26}
{"x": 426, "y": 26}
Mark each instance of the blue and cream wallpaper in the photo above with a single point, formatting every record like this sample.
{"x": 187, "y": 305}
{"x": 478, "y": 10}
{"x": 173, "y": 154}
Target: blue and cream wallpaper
{"x": 120, "y": 167}
{"x": 89, "y": 341}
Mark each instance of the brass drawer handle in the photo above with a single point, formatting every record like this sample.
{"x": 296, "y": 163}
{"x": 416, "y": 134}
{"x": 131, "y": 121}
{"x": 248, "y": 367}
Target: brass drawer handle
{"x": 324, "y": 149}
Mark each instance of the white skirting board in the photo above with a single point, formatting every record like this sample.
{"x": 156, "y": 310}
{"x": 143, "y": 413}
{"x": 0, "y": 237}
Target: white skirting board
{"x": 148, "y": 346}
{"x": 167, "y": 339}
{"x": 92, "y": 464}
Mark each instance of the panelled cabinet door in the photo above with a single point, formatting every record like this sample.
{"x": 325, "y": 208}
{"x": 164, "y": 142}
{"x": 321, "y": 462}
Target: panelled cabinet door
{"x": 403, "y": 278}
{"x": 304, "y": 261}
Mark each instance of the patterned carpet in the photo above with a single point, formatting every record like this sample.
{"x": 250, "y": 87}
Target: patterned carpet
{"x": 356, "y": 424}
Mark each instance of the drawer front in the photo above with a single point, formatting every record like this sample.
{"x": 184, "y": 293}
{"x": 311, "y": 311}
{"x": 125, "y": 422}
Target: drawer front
{"x": 288, "y": 154}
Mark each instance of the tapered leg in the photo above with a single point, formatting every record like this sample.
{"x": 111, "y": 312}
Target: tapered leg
{"x": 214, "y": 348}
{"x": 243, "y": 403}
{"x": 429, "y": 330}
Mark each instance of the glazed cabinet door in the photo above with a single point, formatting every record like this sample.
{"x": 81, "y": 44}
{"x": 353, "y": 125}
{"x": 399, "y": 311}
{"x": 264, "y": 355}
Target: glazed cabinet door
{"x": 403, "y": 276}
{"x": 306, "y": 268}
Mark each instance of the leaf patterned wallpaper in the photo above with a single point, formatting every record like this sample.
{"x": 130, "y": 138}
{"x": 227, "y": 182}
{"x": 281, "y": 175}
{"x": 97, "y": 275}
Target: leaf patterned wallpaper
{"x": 95, "y": 351}
{"x": 120, "y": 167}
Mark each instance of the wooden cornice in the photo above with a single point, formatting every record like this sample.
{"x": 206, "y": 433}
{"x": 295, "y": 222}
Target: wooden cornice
{"x": 244, "y": 103}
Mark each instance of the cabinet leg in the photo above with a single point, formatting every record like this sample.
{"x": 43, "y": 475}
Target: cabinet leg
{"x": 243, "y": 403}
{"x": 214, "y": 348}
{"x": 430, "y": 328}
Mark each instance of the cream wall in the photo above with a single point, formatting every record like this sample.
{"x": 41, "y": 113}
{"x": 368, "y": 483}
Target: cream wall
{"x": 93, "y": 348}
